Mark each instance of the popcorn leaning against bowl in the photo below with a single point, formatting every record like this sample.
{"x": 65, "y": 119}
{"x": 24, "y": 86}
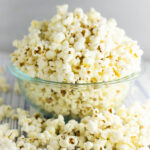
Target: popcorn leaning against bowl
{"x": 75, "y": 62}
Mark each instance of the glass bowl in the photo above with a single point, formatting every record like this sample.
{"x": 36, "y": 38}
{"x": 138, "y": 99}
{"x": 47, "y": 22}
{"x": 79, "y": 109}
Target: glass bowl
{"x": 72, "y": 100}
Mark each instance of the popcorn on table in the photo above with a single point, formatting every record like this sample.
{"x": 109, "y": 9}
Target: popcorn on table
{"x": 125, "y": 129}
{"x": 16, "y": 88}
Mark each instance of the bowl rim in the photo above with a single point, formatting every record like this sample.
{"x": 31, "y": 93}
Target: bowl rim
{"x": 21, "y": 75}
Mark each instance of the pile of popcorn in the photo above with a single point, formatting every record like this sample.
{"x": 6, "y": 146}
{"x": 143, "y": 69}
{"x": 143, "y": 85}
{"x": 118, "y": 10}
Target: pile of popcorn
{"x": 125, "y": 129}
{"x": 77, "y": 47}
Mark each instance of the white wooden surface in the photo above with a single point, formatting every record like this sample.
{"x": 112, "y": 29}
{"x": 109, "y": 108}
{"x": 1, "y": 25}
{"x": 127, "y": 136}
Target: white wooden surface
{"x": 140, "y": 91}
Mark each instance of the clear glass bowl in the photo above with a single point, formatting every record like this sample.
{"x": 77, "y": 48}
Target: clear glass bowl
{"x": 72, "y": 100}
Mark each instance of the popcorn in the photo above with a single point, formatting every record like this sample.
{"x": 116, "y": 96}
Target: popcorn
{"x": 69, "y": 142}
{"x": 85, "y": 33}
{"x": 4, "y": 87}
{"x": 6, "y": 144}
{"x": 59, "y": 37}
{"x": 76, "y": 47}
{"x": 107, "y": 130}
{"x": 88, "y": 145}
{"x": 76, "y": 102}
{"x": 16, "y": 88}
{"x": 5, "y": 111}
{"x": 7, "y": 137}
{"x": 62, "y": 9}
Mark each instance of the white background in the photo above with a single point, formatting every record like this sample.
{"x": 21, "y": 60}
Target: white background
{"x": 16, "y": 15}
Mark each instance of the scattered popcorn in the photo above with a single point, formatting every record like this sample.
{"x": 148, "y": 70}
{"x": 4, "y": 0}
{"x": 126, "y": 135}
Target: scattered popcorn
{"x": 5, "y": 111}
{"x": 125, "y": 129}
{"x": 16, "y": 88}
{"x": 4, "y": 87}
{"x": 76, "y": 47}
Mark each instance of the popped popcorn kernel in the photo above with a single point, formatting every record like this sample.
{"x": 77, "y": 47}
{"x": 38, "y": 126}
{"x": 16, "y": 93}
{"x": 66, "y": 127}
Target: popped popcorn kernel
{"x": 16, "y": 88}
